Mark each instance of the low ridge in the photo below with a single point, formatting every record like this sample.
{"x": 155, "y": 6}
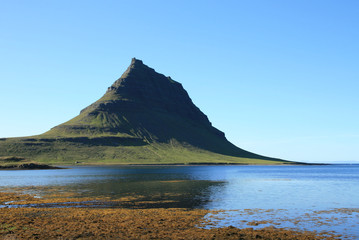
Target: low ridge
{"x": 143, "y": 115}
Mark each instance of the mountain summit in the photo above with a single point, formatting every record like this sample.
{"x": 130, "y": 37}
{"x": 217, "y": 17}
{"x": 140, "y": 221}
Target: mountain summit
{"x": 144, "y": 117}
{"x": 141, "y": 103}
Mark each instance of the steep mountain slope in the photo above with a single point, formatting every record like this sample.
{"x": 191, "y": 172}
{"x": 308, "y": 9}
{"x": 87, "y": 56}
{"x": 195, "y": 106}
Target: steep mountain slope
{"x": 144, "y": 117}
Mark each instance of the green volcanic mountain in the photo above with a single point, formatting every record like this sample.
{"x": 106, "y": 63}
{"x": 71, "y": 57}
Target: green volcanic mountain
{"x": 143, "y": 118}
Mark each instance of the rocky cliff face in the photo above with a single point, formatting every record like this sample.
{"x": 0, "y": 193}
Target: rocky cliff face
{"x": 142, "y": 88}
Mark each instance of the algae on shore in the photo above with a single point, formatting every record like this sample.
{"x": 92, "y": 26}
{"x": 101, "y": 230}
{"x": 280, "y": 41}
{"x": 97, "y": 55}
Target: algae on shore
{"x": 121, "y": 223}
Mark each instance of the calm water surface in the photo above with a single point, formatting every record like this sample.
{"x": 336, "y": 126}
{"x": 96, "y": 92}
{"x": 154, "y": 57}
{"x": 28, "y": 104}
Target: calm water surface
{"x": 279, "y": 191}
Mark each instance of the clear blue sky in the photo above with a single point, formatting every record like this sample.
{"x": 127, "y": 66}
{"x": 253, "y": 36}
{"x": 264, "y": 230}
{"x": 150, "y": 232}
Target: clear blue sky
{"x": 280, "y": 78}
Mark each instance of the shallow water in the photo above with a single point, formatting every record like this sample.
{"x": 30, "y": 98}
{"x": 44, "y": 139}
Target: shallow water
{"x": 291, "y": 196}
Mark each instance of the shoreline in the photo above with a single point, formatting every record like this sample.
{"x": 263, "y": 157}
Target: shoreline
{"x": 35, "y": 166}
{"x": 192, "y": 164}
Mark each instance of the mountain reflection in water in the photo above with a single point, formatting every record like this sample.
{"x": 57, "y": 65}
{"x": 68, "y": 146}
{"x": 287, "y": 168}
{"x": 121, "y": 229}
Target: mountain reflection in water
{"x": 147, "y": 187}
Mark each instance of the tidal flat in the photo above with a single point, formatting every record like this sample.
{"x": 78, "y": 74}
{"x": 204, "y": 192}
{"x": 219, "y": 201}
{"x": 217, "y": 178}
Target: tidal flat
{"x": 30, "y": 221}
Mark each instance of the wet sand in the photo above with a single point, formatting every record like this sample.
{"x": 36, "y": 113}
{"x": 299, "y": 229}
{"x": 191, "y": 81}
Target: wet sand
{"x": 73, "y": 222}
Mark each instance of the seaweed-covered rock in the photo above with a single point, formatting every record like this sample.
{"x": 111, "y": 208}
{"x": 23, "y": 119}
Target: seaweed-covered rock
{"x": 27, "y": 166}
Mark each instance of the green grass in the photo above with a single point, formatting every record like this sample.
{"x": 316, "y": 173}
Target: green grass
{"x": 118, "y": 150}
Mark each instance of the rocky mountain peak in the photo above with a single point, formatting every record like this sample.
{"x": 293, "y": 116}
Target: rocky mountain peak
{"x": 137, "y": 62}
{"x": 143, "y": 102}
{"x": 143, "y": 87}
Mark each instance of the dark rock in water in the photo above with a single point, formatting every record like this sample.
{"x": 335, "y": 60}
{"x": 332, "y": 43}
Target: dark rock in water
{"x": 36, "y": 166}
{"x": 28, "y": 166}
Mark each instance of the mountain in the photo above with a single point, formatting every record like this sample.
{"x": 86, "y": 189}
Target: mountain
{"x": 144, "y": 117}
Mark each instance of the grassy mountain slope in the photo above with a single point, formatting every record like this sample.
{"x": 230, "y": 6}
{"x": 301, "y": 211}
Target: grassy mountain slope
{"x": 96, "y": 151}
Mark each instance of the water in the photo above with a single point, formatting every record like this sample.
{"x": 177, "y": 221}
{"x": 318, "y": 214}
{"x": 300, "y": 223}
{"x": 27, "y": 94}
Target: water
{"x": 322, "y": 197}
